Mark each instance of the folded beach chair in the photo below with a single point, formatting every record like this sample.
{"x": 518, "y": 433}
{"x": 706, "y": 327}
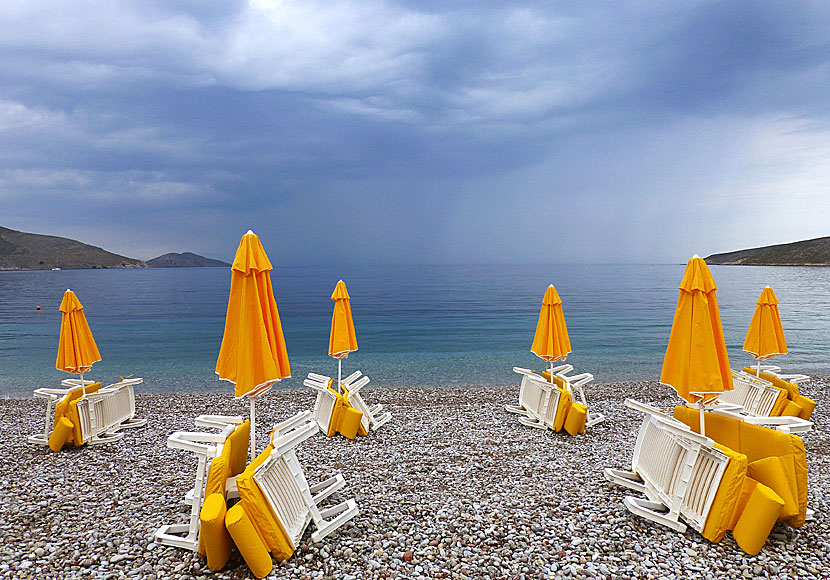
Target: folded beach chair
{"x": 544, "y": 405}
{"x": 758, "y": 402}
{"x": 709, "y": 485}
{"x": 798, "y": 405}
{"x": 333, "y": 411}
{"x": 93, "y": 418}
{"x": 276, "y": 503}
{"x": 220, "y": 457}
{"x": 373, "y": 416}
{"x": 574, "y": 384}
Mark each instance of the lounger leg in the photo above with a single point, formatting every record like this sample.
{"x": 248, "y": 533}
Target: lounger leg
{"x": 519, "y": 410}
{"x": 627, "y": 479}
{"x": 594, "y": 418}
{"x": 654, "y": 511}
{"x": 532, "y": 423}
{"x": 346, "y": 509}
{"x": 107, "y": 437}
{"x": 132, "y": 422}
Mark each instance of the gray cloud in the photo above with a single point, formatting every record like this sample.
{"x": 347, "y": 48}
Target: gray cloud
{"x": 474, "y": 132}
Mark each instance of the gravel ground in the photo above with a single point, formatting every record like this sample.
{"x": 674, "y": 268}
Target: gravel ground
{"x": 453, "y": 487}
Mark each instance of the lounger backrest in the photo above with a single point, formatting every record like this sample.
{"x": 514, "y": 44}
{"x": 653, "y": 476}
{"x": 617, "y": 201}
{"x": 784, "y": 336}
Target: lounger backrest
{"x": 677, "y": 468}
{"x": 284, "y": 496}
{"x": 539, "y": 398}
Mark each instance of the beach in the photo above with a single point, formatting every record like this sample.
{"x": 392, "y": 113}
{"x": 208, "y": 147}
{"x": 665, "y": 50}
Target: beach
{"x": 452, "y": 487}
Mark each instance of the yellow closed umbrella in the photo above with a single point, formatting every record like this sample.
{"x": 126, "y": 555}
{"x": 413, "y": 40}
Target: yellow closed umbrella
{"x": 253, "y": 355}
{"x": 696, "y": 364}
{"x": 765, "y": 337}
{"x": 342, "y": 339}
{"x": 77, "y": 351}
{"x": 551, "y": 342}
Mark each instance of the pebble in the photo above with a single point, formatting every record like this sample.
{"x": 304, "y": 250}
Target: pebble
{"x": 453, "y": 487}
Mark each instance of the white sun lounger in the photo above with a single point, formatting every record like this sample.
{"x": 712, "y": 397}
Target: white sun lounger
{"x": 574, "y": 384}
{"x": 283, "y": 483}
{"x": 324, "y": 403}
{"x": 796, "y": 379}
{"x": 102, "y": 414}
{"x": 206, "y": 446}
{"x": 538, "y": 400}
{"x": 752, "y": 400}
{"x": 373, "y": 416}
{"x": 678, "y": 471}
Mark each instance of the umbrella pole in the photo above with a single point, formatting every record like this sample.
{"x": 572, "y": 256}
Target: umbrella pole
{"x": 702, "y": 421}
{"x": 758, "y": 372}
{"x": 83, "y": 386}
{"x": 253, "y": 429}
{"x": 339, "y": 372}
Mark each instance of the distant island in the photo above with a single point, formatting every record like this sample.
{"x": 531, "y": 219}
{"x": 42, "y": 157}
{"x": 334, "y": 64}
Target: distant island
{"x": 25, "y": 251}
{"x": 22, "y": 251}
{"x": 814, "y": 252}
{"x": 185, "y": 260}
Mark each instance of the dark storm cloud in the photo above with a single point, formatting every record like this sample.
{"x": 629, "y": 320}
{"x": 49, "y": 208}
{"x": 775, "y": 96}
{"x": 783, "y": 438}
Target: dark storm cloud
{"x": 526, "y": 132}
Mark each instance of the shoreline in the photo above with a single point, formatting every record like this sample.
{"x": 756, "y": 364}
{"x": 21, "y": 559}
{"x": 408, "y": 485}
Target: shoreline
{"x": 453, "y": 480}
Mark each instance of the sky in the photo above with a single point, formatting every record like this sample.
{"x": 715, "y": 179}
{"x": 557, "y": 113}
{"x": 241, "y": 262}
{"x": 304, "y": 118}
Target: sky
{"x": 384, "y": 132}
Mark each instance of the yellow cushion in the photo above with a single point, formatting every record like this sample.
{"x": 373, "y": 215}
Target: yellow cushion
{"x": 757, "y": 442}
{"x": 259, "y": 512}
{"x": 60, "y": 434}
{"x": 562, "y": 410}
{"x": 758, "y": 517}
{"x": 722, "y": 511}
{"x": 575, "y": 421}
{"x": 807, "y": 404}
{"x": 349, "y": 421}
{"x": 235, "y": 450}
{"x": 771, "y": 472}
{"x": 248, "y": 542}
{"x": 213, "y": 534}
{"x": 217, "y": 475}
{"x": 791, "y": 409}
{"x": 335, "y": 413}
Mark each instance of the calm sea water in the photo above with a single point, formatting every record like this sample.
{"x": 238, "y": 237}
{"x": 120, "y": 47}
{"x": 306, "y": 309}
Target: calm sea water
{"x": 416, "y": 325}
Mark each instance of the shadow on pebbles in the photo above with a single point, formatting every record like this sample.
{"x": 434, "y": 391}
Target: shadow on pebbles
{"x": 452, "y": 487}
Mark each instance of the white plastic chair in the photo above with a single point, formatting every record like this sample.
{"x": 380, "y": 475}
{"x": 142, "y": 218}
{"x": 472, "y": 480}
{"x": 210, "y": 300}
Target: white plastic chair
{"x": 678, "y": 471}
{"x": 796, "y": 378}
{"x": 206, "y": 446}
{"x": 103, "y": 413}
{"x": 538, "y": 400}
{"x": 373, "y": 416}
{"x": 283, "y": 483}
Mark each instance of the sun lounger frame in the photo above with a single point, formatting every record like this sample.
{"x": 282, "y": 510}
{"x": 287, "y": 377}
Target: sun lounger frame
{"x": 374, "y": 416}
{"x": 752, "y": 400}
{"x": 678, "y": 471}
{"x": 206, "y": 446}
{"x": 103, "y": 413}
{"x": 538, "y": 400}
{"x": 283, "y": 483}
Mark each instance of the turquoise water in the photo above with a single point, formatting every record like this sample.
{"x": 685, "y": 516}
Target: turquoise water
{"x": 416, "y": 325}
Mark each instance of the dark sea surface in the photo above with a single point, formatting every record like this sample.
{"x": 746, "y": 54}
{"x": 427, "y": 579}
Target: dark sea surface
{"x": 416, "y": 325}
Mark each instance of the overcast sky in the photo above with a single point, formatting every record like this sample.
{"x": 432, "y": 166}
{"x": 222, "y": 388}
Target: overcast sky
{"x": 417, "y": 132}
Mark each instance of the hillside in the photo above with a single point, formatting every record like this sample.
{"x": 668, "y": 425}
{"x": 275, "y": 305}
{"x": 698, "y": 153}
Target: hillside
{"x": 185, "y": 260}
{"x": 23, "y": 251}
{"x": 806, "y": 253}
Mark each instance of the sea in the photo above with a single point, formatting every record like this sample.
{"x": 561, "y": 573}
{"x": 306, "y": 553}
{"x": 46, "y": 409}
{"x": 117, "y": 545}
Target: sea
{"x": 416, "y": 325}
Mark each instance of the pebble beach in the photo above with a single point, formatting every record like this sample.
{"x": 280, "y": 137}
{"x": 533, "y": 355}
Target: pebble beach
{"x": 453, "y": 487}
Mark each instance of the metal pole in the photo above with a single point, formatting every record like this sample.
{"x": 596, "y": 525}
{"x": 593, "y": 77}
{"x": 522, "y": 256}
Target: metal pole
{"x": 702, "y": 421}
{"x": 339, "y": 372}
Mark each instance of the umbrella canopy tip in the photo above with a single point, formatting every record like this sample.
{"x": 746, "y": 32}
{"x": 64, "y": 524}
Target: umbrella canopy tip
{"x": 695, "y": 256}
{"x": 250, "y": 233}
